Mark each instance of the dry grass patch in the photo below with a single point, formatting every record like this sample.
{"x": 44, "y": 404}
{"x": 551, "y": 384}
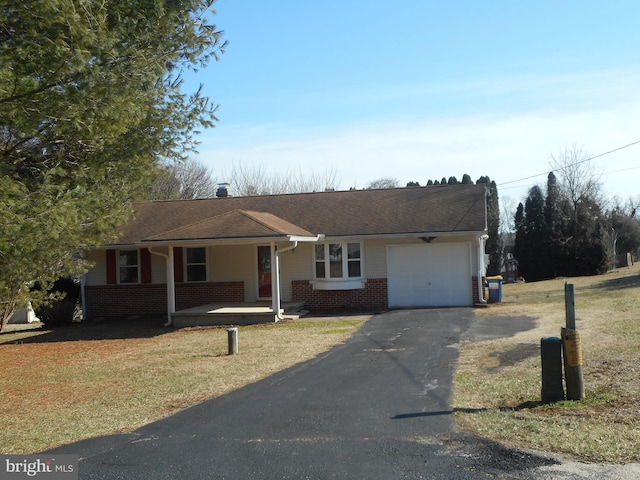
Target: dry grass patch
{"x": 498, "y": 383}
{"x": 92, "y": 379}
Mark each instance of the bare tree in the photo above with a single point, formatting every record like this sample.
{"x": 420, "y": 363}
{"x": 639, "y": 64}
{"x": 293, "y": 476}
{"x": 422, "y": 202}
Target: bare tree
{"x": 583, "y": 234}
{"x": 508, "y": 208}
{"x": 387, "y": 182}
{"x": 184, "y": 180}
{"x": 259, "y": 180}
{"x": 579, "y": 178}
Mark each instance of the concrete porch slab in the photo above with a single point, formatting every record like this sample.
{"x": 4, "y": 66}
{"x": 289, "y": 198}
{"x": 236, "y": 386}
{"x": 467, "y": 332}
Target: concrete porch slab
{"x": 234, "y": 314}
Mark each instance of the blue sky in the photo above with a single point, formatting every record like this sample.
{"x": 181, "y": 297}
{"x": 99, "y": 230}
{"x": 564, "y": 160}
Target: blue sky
{"x": 418, "y": 89}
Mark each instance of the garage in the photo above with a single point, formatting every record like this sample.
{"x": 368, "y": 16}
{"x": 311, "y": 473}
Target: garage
{"x": 429, "y": 275}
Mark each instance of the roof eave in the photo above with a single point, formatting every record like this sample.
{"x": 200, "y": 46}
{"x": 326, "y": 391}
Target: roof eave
{"x": 373, "y": 236}
{"x": 217, "y": 241}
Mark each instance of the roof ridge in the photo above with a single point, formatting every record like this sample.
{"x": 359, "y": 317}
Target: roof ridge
{"x": 251, "y": 214}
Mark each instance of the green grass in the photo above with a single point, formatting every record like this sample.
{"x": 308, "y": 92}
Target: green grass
{"x": 61, "y": 386}
{"x": 503, "y": 402}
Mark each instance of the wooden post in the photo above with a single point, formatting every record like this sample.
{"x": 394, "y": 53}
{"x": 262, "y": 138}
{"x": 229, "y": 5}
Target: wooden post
{"x": 570, "y": 305}
{"x": 572, "y": 349}
{"x": 232, "y": 337}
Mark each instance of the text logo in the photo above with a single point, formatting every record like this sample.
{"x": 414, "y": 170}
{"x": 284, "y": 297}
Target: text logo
{"x": 49, "y": 467}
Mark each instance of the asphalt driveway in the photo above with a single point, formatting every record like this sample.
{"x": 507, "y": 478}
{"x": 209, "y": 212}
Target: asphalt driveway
{"x": 376, "y": 407}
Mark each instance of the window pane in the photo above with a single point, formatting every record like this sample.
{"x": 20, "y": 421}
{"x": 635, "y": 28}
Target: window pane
{"x": 196, "y": 273}
{"x": 354, "y": 268}
{"x": 196, "y": 255}
{"x": 320, "y": 270}
{"x": 128, "y": 274}
{"x": 335, "y": 260}
{"x": 320, "y": 252}
{"x": 128, "y": 258}
{"x": 353, "y": 250}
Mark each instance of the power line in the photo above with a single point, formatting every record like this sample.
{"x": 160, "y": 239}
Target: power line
{"x": 575, "y": 163}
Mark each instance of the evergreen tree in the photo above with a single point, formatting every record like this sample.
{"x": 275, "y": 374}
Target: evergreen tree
{"x": 520, "y": 247}
{"x": 588, "y": 251}
{"x": 91, "y": 101}
{"x": 553, "y": 228}
{"x": 530, "y": 237}
{"x": 625, "y": 228}
{"x": 558, "y": 237}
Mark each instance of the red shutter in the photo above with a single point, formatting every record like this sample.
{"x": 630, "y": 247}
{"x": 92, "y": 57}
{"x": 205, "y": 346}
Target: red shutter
{"x": 111, "y": 266}
{"x": 145, "y": 265}
{"x": 178, "y": 264}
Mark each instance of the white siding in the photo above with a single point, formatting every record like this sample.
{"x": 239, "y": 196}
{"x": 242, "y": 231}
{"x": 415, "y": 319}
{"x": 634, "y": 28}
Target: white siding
{"x": 232, "y": 263}
{"x": 98, "y": 274}
{"x": 375, "y": 258}
{"x": 296, "y": 264}
{"x": 159, "y": 266}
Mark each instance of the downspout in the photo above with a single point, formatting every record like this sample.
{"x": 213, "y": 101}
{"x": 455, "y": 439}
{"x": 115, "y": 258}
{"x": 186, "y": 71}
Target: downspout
{"x": 171, "y": 295}
{"x": 481, "y": 267}
{"x": 276, "y": 296}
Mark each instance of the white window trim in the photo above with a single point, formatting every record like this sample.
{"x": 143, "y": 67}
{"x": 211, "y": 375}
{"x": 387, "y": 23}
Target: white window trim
{"x": 138, "y": 267}
{"x": 186, "y": 265}
{"x": 345, "y": 282}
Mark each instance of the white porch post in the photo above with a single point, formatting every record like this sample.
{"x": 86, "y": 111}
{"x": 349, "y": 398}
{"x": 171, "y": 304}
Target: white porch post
{"x": 171, "y": 286}
{"x": 275, "y": 280}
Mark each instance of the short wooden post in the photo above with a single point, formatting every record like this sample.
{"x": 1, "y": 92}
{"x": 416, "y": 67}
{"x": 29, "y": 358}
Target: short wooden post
{"x": 572, "y": 349}
{"x": 232, "y": 337}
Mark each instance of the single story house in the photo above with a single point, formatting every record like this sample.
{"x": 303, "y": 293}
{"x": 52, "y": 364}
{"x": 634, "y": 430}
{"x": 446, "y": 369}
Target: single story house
{"x": 366, "y": 249}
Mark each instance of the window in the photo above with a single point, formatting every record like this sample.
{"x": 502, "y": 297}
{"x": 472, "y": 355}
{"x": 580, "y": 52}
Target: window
{"x": 353, "y": 260}
{"x": 196, "y": 264}
{"x": 330, "y": 259}
{"x": 128, "y": 263}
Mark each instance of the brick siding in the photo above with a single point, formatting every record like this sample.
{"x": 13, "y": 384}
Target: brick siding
{"x": 151, "y": 299}
{"x": 122, "y": 300}
{"x": 476, "y": 297}
{"x": 373, "y": 296}
{"x": 193, "y": 294}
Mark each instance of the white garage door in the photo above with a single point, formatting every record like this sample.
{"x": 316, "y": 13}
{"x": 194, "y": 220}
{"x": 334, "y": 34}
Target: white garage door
{"x": 430, "y": 275}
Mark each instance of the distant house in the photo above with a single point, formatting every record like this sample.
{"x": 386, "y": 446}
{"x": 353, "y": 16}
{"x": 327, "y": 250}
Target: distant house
{"x": 364, "y": 249}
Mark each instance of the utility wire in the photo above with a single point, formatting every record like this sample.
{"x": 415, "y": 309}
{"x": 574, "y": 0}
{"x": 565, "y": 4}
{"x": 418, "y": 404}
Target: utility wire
{"x": 575, "y": 163}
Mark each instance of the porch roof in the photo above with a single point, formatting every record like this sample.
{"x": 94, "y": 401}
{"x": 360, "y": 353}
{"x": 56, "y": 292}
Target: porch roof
{"x": 234, "y": 224}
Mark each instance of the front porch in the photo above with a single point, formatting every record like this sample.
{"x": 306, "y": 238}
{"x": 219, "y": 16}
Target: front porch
{"x": 234, "y": 314}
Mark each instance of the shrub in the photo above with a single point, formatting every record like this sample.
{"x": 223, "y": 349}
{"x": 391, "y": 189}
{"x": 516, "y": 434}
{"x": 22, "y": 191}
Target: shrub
{"x": 64, "y": 308}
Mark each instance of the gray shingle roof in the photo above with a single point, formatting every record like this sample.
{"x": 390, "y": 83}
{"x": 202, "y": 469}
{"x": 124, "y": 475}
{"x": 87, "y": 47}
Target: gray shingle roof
{"x": 411, "y": 210}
